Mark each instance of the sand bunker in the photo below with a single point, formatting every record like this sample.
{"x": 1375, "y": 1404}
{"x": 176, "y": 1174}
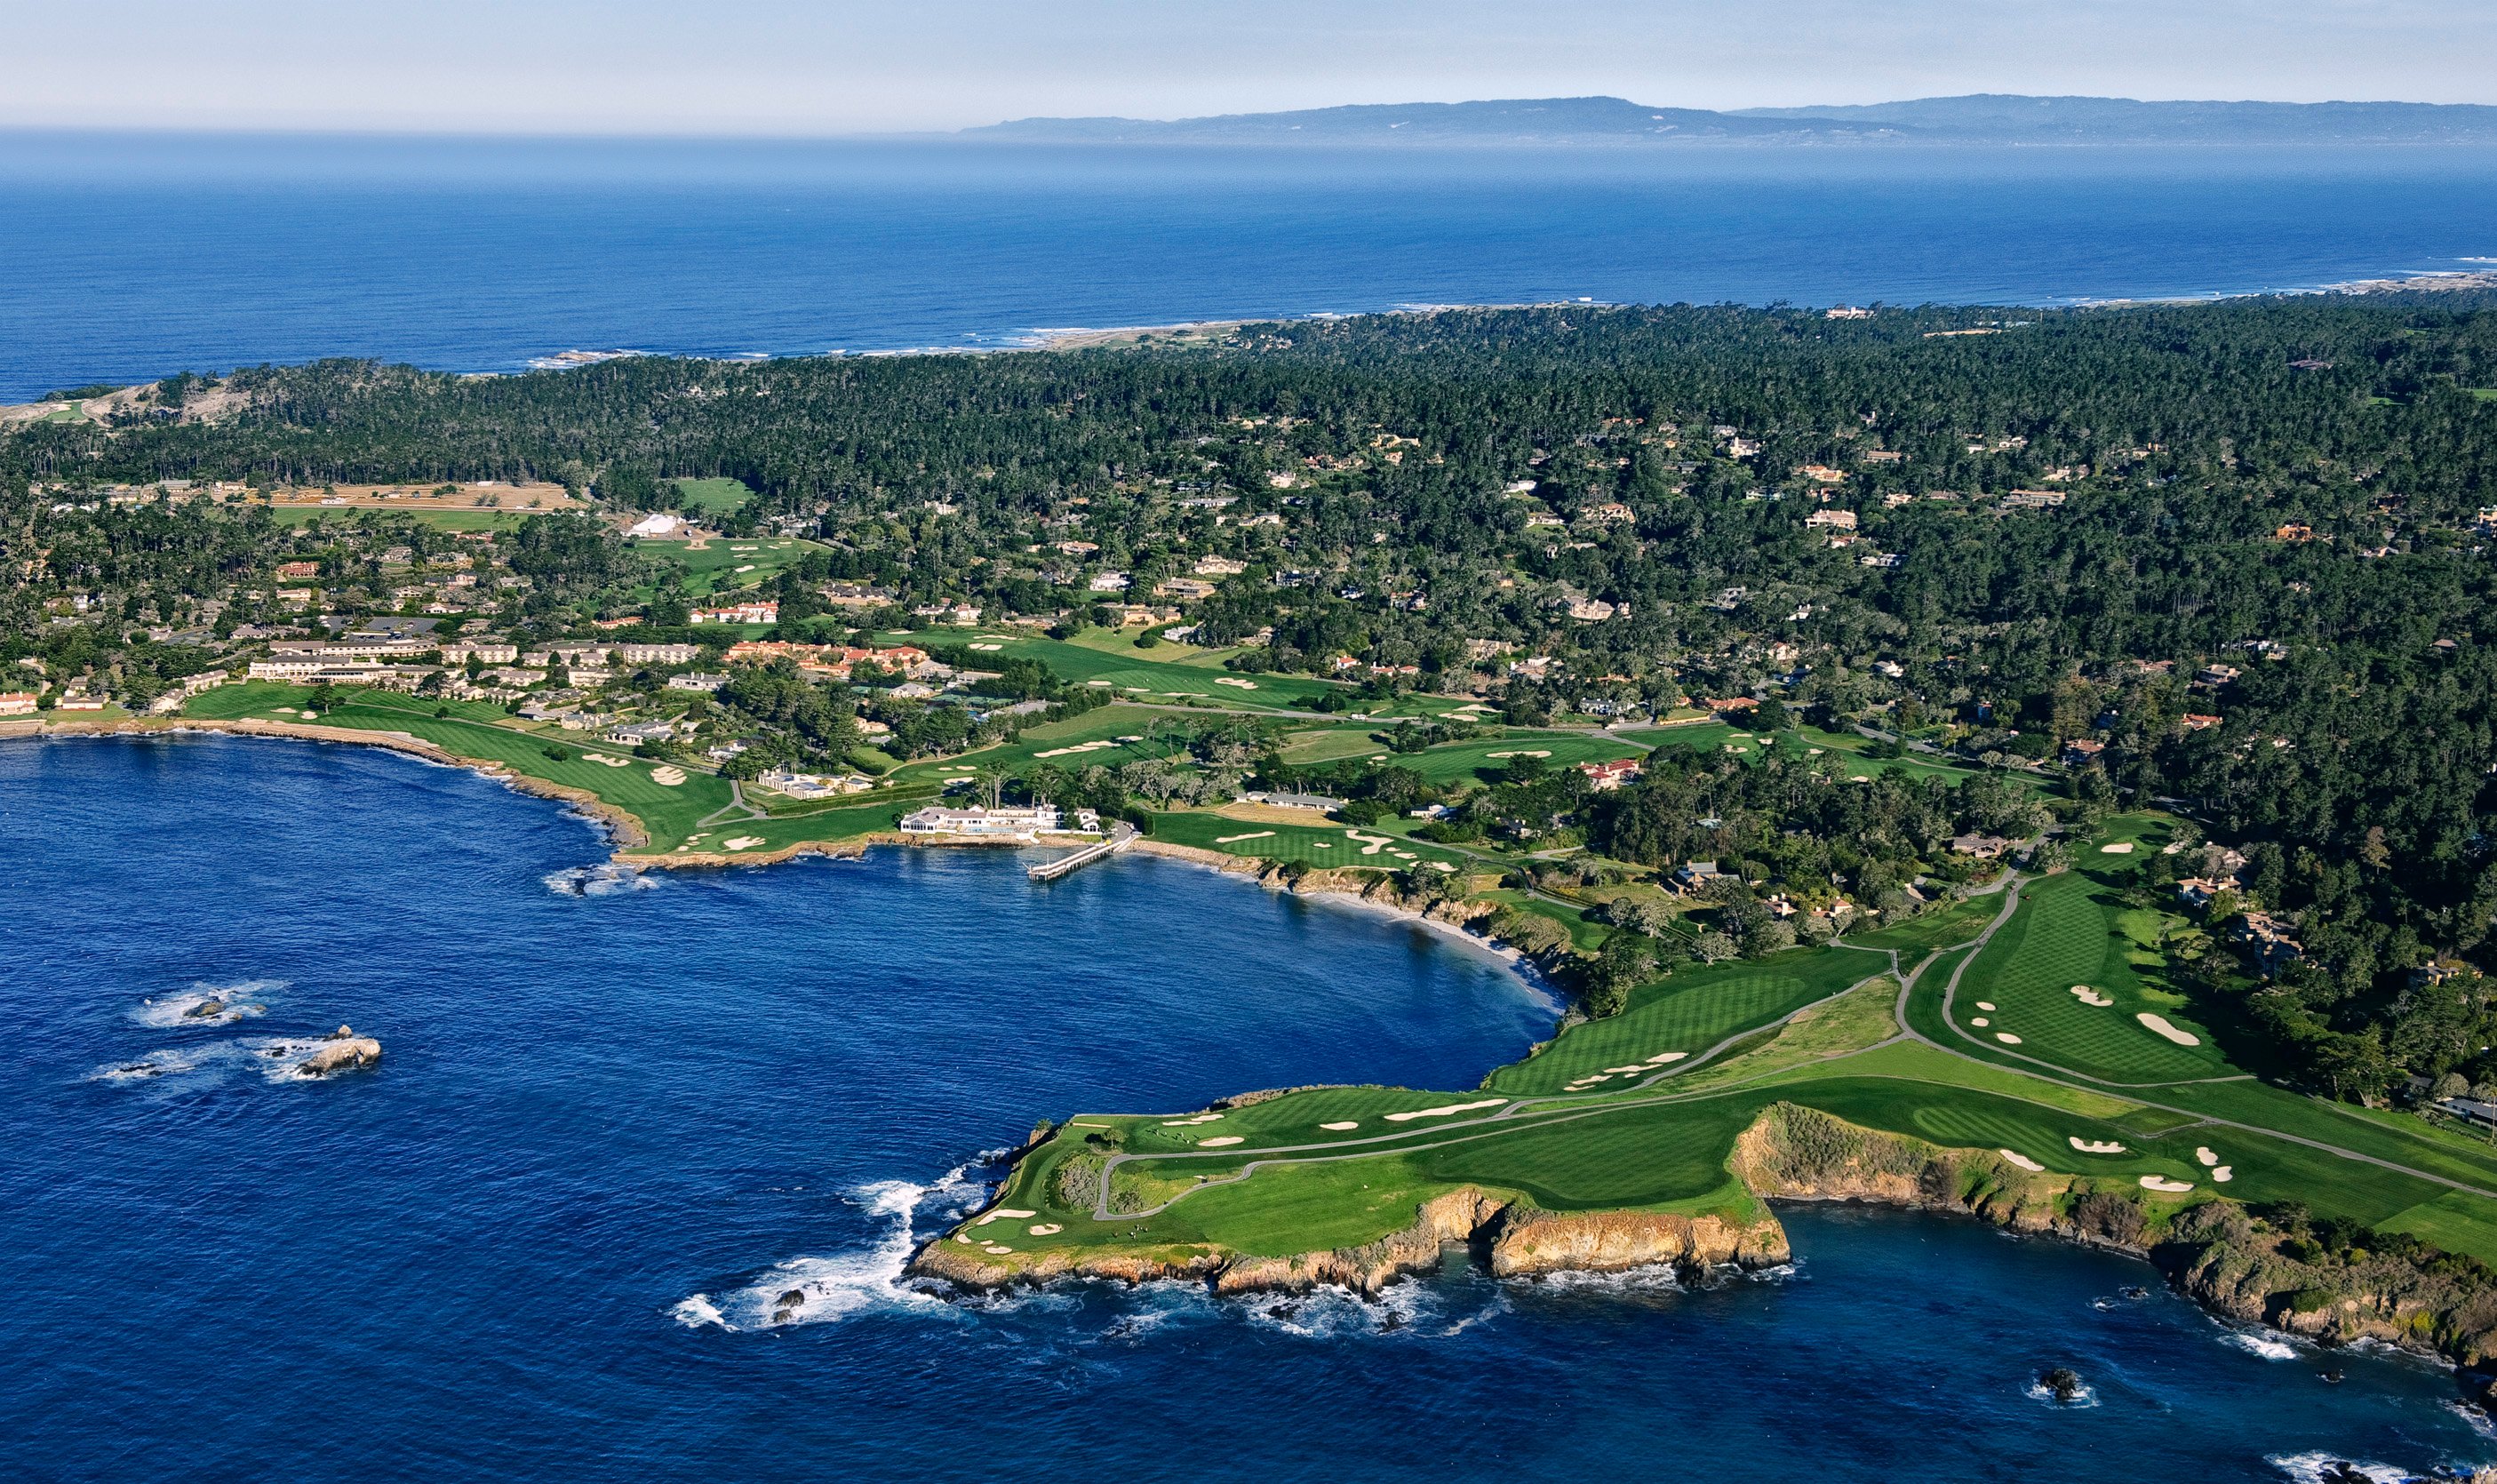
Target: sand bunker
{"x": 1615, "y": 1071}
{"x": 2023, "y": 1161}
{"x": 1664, "y": 1057}
{"x": 1985, "y": 1004}
{"x": 2120, "y": 847}
{"x": 2222, "y": 1174}
{"x": 1090, "y": 746}
{"x": 667, "y": 775}
{"x": 2006, "y": 1038}
{"x": 1235, "y": 682}
{"x": 2159, "y": 1025}
{"x": 1444, "y": 1110}
{"x": 1320, "y": 845}
{"x": 1201, "y": 1117}
{"x": 2094, "y": 1146}
{"x": 604, "y": 760}
{"x": 1521, "y": 752}
{"x": 1234, "y": 839}
{"x": 1340, "y": 1124}
{"x": 1047, "y": 1229}
{"x": 1442, "y": 866}
{"x": 1221, "y": 1140}
{"x": 1979, "y": 1021}
{"x": 1005, "y": 1214}
{"x": 2205, "y": 1155}
{"x": 2090, "y": 996}
{"x": 996, "y": 1249}
{"x": 1370, "y": 844}
{"x": 2164, "y": 1186}
{"x": 987, "y": 648}
{"x": 742, "y": 842}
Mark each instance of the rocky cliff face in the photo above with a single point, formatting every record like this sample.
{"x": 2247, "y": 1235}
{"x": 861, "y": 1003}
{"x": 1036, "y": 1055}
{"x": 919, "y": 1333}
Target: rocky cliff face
{"x": 1516, "y": 1240}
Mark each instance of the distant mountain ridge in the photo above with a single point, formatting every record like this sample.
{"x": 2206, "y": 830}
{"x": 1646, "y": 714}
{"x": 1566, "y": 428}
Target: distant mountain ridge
{"x": 1973, "y": 118}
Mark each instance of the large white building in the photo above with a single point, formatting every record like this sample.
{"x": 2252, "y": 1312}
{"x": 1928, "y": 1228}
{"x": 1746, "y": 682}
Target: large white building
{"x": 1017, "y": 824}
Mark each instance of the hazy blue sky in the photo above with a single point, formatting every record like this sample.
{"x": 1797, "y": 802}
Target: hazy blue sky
{"x": 786, "y": 66}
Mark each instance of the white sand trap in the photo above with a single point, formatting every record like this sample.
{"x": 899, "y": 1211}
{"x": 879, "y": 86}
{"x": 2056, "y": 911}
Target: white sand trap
{"x": 742, "y": 842}
{"x": 1664, "y": 1057}
{"x": 2093, "y": 1145}
{"x": 1047, "y": 1229}
{"x": 996, "y": 1249}
{"x": 1220, "y": 1140}
{"x": 2222, "y": 1174}
{"x": 2006, "y": 1038}
{"x": 1812, "y": 751}
{"x": 1090, "y": 746}
{"x": 964, "y": 1237}
{"x": 2159, "y": 1025}
{"x": 1370, "y": 844}
{"x": 1320, "y": 845}
{"x": 1979, "y": 1021}
{"x": 1005, "y": 1214}
{"x": 1201, "y": 1117}
{"x": 1340, "y": 1124}
{"x": 1235, "y": 682}
{"x": 667, "y": 775}
{"x": 2023, "y": 1161}
{"x": 1443, "y": 1110}
{"x": 1442, "y": 866}
{"x": 1615, "y": 1071}
{"x": 2164, "y": 1186}
{"x": 1861, "y": 779}
{"x": 2120, "y": 847}
{"x": 2205, "y": 1155}
{"x": 1402, "y": 855}
{"x": 2090, "y": 996}
{"x": 1985, "y": 1004}
{"x": 1234, "y": 839}
{"x": 987, "y": 648}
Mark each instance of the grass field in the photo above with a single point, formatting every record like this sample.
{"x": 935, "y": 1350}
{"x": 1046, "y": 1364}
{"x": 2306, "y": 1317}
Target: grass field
{"x": 723, "y": 565}
{"x": 1322, "y": 842}
{"x": 1485, "y": 758}
{"x": 713, "y": 496}
{"x": 670, "y": 815}
{"x": 1689, "y": 1012}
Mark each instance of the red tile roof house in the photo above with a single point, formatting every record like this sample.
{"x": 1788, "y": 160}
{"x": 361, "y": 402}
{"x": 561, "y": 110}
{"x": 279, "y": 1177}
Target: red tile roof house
{"x": 1612, "y": 775}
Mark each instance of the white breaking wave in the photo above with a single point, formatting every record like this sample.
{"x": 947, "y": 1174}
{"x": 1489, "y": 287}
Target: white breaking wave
{"x": 818, "y": 1290}
{"x": 2258, "y": 1343}
{"x": 2326, "y": 1468}
{"x": 209, "y": 1004}
{"x": 598, "y": 880}
{"x": 2085, "y": 1396}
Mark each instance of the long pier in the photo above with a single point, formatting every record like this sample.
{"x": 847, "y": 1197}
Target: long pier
{"x": 1120, "y": 839}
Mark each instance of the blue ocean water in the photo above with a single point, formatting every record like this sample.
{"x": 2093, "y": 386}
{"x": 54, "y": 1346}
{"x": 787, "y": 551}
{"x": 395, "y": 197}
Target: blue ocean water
{"x": 132, "y": 256}
{"x": 541, "y": 1240}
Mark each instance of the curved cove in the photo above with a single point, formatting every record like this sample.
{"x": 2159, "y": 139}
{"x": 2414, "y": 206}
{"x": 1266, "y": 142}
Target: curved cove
{"x": 612, "y": 1128}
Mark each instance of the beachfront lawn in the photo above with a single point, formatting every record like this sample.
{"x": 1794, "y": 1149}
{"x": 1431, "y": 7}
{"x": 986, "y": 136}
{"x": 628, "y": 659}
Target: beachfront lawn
{"x": 610, "y": 774}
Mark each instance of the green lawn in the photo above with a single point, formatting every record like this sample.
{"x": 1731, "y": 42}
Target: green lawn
{"x": 724, "y": 565}
{"x": 483, "y": 733}
{"x": 713, "y": 496}
{"x": 1484, "y": 758}
{"x": 1322, "y": 842}
{"x": 1688, "y": 1011}
{"x": 437, "y": 518}
{"x": 2069, "y": 930}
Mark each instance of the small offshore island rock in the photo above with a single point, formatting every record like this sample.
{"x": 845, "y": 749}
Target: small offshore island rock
{"x": 341, "y": 1050}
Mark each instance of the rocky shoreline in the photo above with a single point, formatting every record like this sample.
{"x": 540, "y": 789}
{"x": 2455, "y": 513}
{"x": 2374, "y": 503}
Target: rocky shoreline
{"x": 2213, "y": 1253}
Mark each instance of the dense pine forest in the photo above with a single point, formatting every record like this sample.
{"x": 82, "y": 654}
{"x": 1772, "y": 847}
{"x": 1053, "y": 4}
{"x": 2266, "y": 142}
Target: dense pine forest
{"x": 2230, "y": 560}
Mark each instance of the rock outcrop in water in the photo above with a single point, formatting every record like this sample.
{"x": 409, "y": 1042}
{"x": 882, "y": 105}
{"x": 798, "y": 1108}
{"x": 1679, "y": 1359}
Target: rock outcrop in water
{"x": 342, "y": 1050}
